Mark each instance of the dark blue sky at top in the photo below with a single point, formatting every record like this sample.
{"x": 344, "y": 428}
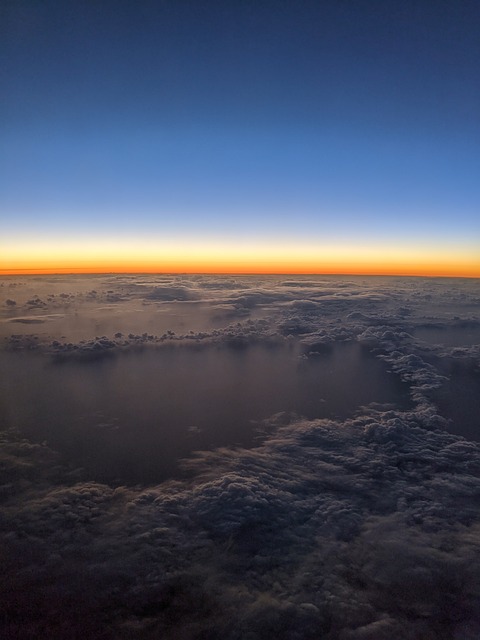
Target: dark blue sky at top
{"x": 225, "y": 110}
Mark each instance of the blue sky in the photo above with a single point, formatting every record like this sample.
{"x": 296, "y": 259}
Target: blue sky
{"x": 282, "y": 119}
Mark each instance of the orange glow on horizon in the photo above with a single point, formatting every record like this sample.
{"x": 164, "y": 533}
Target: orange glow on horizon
{"x": 236, "y": 258}
{"x": 432, "y": 273}
{"x": 433, "y": 270}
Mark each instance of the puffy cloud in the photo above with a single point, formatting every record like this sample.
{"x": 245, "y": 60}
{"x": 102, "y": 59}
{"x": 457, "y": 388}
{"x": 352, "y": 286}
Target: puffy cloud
{"x": 164, "y": 293}
{"x": 358, "y": 529}
{"x": 36, "y": 303}
{"x": 366, "y": 528}
{"x": 23, "y": 342}
{"x": 224, "y": 283}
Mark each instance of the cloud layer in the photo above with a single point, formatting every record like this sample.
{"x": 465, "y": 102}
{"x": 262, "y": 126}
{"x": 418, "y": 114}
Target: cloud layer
{"x": 361, "y": 529}
{"x": 365, "y": 528}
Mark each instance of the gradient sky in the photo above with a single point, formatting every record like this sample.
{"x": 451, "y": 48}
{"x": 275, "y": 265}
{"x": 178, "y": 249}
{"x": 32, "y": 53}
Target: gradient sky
{"x": 334, "y": 136}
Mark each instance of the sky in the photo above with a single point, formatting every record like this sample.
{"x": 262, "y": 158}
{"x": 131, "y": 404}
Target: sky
{"x": 311, "y": 137}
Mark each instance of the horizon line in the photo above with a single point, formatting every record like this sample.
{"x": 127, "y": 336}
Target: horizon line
{"x": 92, "y": 272}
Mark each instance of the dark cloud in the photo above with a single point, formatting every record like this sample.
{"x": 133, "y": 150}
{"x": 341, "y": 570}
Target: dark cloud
{"x": 365, "y": 528}
{"x": 23, "y": 342}
{"x": 28, "y": 320}
{"x": 36, "y": 303}
{"x": 224, "y": 283}
{"x": 308, "y": 284}
{"x": 163, "y": 293}
{"x": 358, "y": 529}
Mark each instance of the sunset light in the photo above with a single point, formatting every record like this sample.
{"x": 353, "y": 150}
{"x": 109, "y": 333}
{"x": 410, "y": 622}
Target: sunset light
{"x": 229, "y": 257}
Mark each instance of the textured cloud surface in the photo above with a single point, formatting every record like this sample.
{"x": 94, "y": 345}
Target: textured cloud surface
{"x": 364, "y": 527}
